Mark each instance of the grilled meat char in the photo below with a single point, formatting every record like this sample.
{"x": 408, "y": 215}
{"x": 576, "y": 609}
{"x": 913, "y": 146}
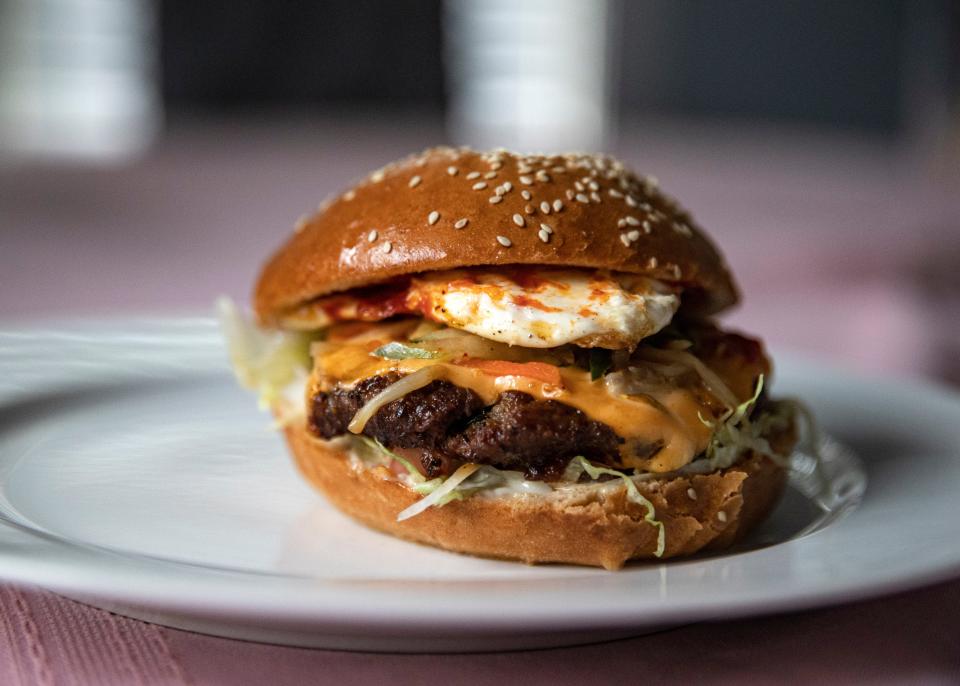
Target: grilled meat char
{"x": 441, "y": 425}
{"x": 449, "y": 425}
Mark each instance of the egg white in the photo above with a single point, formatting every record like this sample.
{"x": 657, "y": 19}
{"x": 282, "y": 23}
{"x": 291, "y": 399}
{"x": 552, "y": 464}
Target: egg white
{"x": 546, "y": 308}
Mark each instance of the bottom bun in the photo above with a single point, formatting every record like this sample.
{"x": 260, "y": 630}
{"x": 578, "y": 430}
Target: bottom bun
{"x": 587, "y": 524}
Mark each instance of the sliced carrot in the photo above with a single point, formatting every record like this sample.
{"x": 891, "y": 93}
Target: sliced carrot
{"x": 541, "y": 371}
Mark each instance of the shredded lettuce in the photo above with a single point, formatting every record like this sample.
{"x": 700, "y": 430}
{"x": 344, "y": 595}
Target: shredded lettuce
{"x": 484, "y": 478}
{"x": 811, "y": 440}
{"x": 734, "y": 433}
{"x": 401, "y": 351}
{"x": 376, "y": 445}
{"x": 472, "y": 478}
{"x": 263, "y": 361}
{"x": 633, "y": 493}
{"x": 442, "y": 494}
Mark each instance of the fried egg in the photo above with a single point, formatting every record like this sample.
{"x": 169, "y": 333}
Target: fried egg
{"x": 546, "y": 308}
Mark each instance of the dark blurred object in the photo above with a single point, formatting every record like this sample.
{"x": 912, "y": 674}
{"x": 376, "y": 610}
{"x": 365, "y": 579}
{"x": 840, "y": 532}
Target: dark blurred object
{"x": 836, "y": 63}
{"x": 256, "y": 53}
{"x": 875, "y": 65}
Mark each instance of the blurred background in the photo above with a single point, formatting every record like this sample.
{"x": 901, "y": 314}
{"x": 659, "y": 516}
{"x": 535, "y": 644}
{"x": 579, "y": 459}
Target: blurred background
{"x": 153, "y": 153}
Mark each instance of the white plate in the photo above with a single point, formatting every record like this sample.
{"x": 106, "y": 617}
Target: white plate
{"x": 135, "y": 475}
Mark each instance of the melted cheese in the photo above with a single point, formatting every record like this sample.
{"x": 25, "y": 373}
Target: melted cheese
{"x": 668, "y": 417}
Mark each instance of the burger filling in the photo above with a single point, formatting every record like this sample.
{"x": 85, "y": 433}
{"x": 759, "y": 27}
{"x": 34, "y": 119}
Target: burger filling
{"x": 443, "y": 397}
{"x": 524, "y": 369}
{"x": 548, "y": 374}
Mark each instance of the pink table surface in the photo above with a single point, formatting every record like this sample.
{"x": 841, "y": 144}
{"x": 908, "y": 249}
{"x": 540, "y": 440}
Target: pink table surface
{"x": 845, "y": 248}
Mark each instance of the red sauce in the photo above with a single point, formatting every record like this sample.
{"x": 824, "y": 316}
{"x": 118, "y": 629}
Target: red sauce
{"x": 375, "y": 309}
{"x": 531, "y": 279}
{"x": 332, "y": 306}
{"x": 527, "y": 301}
{"x": 599, "y": 295}
{"x": 463, "y": 282}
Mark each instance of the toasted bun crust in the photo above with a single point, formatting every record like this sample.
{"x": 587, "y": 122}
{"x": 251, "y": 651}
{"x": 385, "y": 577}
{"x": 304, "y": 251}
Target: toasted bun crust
{"x": 592, "y": 525}
{"x": 626, "y": 224}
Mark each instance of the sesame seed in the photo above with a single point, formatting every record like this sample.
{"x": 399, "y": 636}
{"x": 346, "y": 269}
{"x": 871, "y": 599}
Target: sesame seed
{"x": 349, "y": 195}
{"x": 558, "y": 170}
{"x": 624, "y": 239}
{"x": 544, "y": 236}
{"x": 504, "y": 241}
{"x": 507, "y": 186}
{"x": 633, "y": 235}
{"x": 682, "y": 229}
{"x": 692, "y": 494}
{"x": 652, "y": 263}
{"x": 621, "y": 223}
{"x": 543, "y": 176}
{"x": 433, "y": 218}
{"x": 460, "y": 223}
{"x": 582, "y": 198}
{"x": 490, "y": 175}
{"x": 545, "y": 207}
{"x": 453, "y": 171}
{"x": 557, "y": 205}
{"x": 377, "y": 176}
{"x": 372, "y": 236}
{"x": 495, "y": 165}
{"x": 499, "y": 190}
{"x": 614, "y": 193}
{"x": 632, "y": 221}
{"x": 579, "y": 186}
{"x": 414, "y": 182}
{"x": 722, "y": 516}
{"x": 387, "y": 246}
{"x": 570, "y": 194}
{"x": 651, "y": 181}
{"x": 525, "y": 194}
{"x": 301, "y": 223}
{"x": 594, "y": 196}
{"x": 479, "y": 185}
{"x": 526, "y": 180}
{"x": 546, "y": 227}
{"x": 518, "y": 219}
{"x": 473, "y": 175}
{"x": 524, "y": 169}
{"x": 494, "y": 199}
{"x": 631, "y": 201}
{"x": 593, "y": 185}
{"x": 646, "y": 226}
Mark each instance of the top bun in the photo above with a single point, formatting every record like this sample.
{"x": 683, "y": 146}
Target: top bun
{"x": 453, "y": 207}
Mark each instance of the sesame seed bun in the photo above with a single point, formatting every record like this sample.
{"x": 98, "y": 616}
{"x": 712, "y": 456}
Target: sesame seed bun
{"x": 448, "y": 208}
{"x": 588, "y": 524}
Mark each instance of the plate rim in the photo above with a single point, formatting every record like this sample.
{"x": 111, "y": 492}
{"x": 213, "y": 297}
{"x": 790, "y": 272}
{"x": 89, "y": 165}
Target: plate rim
{"x": 25, "y": 562}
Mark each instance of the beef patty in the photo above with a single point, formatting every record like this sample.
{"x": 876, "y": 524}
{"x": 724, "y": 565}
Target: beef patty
{"x": 447, "y": 425}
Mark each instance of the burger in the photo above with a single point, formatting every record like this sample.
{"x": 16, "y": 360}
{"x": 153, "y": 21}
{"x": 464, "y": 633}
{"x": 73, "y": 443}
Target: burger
{"x": 514, "y": 356}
